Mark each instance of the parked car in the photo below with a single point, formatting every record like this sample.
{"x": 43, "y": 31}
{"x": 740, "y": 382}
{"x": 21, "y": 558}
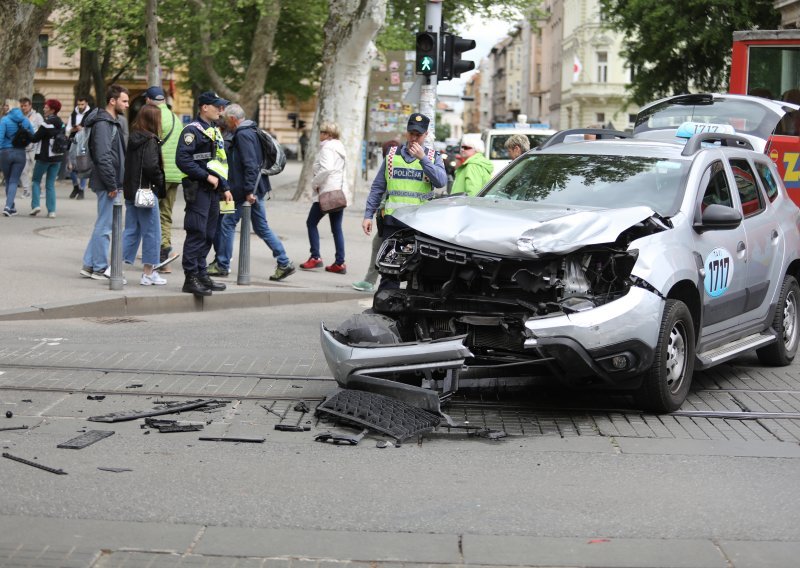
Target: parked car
{"x": 618, "y": 263}
{"x": 495, "y": 141}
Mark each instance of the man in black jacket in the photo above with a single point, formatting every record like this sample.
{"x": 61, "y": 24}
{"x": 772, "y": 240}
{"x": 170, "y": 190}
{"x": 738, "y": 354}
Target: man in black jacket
{"x": 245, "y": 158}
{"x": 107, "y": 150}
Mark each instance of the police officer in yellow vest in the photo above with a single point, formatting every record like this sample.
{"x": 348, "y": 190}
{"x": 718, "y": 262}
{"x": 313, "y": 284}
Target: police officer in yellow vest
{"x": 201, "y": 156}
{"x": 407, "y": 176}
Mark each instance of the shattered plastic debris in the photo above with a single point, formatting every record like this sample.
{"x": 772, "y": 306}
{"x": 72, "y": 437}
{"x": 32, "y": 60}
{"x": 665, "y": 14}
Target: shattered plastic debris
{"x": 341, "y": 437}
{"x": 384, "y": 444}
{"x": 302, "y": 406}
{"x": 34, "y": 464}
{"x": 489, "y": 434}
{"x": 85, "y": 439}
{"x": 167, "y": 409}
{"x": 134, "y": 386}
{"x": 96, "y": 397}
{"x": 114, "y": 469}
{"x": 9, "y": 414}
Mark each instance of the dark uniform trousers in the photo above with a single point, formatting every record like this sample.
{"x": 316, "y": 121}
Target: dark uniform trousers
{"x": 200, "y": 223}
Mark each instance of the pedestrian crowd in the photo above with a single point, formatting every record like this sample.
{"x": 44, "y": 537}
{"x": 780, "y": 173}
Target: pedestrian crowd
{"x": 222, "y": 162}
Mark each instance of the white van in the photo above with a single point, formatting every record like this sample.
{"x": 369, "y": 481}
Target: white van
{"x": 495, "y": 140}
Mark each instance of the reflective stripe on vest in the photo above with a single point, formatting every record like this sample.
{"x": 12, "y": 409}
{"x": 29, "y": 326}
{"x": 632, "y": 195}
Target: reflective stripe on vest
{"x": 406, "y": 184}
{"x": 219, "y": 165}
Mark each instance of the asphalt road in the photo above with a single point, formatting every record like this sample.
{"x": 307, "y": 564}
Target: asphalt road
{"x": 719, "y": 487}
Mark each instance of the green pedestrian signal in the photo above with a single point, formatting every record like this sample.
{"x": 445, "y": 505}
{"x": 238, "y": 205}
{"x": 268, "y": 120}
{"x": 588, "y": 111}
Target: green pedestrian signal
{"x": 427, "y": 48}
{"x": 426, "y": 65}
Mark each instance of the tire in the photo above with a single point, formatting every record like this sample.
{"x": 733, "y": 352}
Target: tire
{"x": 665, "y": 386}
{"x": 786, "y": 324}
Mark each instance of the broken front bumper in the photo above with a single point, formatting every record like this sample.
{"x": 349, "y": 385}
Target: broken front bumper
{"x": 587, "y": 343}
{"x": 370, "y": 367}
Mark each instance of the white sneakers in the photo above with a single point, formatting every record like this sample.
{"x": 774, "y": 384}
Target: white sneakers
{"x": 153, "y": 279}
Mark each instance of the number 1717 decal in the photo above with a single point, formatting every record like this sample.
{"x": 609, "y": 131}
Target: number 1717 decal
{"x": 719, "y": 272}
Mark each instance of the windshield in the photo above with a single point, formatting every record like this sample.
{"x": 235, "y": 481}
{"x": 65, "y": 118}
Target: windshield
{"x": 497, "y": 144}
{"x": 568, "y": 180}
{"x": 745, "y": 116}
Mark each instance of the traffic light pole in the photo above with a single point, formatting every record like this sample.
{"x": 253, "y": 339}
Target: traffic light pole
{"x": 427, "y": 95}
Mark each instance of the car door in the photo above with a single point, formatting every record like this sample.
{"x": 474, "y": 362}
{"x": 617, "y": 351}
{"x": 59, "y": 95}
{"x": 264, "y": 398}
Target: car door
{"x": 764, "y": 241}
{"x": 721, "y": 256}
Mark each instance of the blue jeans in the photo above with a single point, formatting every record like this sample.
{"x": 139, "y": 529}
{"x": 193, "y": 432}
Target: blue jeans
{"x": 143, "y": 225}
{"x": 79, "y": 182}
{"x": 258, "y": 217}
{"x": 40, "y": 169}
{"x": 96, "y": 255}
{"x": 12, "y": 160}
{"x": 314, "y": 216}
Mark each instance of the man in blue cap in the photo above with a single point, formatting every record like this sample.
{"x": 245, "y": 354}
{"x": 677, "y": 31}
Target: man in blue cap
{"x": 201, "y": 156}
{"x": 407, "y": 176}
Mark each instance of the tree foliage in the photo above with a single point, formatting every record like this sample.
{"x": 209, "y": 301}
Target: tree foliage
{"x": 678, "y": 46}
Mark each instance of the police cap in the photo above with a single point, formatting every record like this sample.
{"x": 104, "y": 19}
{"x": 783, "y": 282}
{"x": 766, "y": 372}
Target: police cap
{"x": 212, "y": 98}
{"x": 418, "y": 123}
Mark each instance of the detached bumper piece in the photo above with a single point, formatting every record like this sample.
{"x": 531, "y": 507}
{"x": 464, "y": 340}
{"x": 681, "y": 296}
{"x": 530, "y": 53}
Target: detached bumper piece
{"x": 380, "y": 413}
{"x": 87, "y": 439}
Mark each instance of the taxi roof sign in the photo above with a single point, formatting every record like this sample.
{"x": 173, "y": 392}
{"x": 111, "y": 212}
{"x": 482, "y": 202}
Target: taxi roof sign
{"x": 689, "y": 129}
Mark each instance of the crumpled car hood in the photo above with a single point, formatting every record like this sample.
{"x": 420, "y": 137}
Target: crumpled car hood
{"x": 496, "y": 226}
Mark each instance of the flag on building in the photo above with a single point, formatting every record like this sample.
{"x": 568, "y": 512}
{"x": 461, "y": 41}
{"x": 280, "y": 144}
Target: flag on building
{"x": 576, "y": 68}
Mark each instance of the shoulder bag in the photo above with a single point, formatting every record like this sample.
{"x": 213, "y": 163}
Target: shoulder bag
{"x": 334, "y": 200}
{"x": 145, "y": 198}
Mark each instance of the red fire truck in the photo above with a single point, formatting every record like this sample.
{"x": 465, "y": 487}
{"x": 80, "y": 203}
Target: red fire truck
{"x": 767, "y": 64}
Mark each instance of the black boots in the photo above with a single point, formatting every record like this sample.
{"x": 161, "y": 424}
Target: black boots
{"x": 193, "y": 285}
{"x": 75, "y": 191}
{"x": 206, "y": 281}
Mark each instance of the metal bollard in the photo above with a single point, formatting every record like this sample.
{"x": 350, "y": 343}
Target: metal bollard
{"x": 243, "y": 278}
{"x": 116, "y": 281}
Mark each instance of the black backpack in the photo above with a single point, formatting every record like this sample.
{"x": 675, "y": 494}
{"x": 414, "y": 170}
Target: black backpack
{"x": 60, "y": 142}
{"x": 274, "y": 158}
{"x": 22, "y": 138}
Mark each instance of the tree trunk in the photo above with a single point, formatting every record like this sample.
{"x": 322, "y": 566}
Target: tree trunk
{"x": 151, "y": 37}
{"x": 83, "y": 87}
{"x": 346, "y": 61}
{"x": 261, "y": 57}
{"x": 20, "y": 22}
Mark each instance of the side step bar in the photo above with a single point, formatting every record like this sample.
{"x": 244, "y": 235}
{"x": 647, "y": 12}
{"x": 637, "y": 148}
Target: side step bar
{"x": 733, "y": 349}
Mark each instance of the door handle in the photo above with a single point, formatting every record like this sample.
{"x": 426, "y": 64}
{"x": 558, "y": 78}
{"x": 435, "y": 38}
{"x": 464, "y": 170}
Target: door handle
{"x": 740, "y": 247}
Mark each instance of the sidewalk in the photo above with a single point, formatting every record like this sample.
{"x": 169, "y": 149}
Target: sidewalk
{"x": 43, "y": 258}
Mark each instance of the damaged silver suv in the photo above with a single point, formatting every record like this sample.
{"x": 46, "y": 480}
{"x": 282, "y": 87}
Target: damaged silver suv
{"x": 619, "y": 263}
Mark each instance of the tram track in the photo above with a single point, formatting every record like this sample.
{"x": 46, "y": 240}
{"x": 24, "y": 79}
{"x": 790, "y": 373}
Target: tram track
{"x": 452, "y": 406}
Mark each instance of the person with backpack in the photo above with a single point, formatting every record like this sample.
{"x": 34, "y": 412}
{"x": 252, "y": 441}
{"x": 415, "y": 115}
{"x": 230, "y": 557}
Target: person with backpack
{"x": 252, "y": 158}
{"x": 74, "y": 128}
{"x": 15, "y": 133}
{"x": 53, "y": 144}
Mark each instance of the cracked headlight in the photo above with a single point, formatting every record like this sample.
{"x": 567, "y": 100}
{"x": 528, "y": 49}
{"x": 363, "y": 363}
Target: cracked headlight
{"x": 394, "y": 253}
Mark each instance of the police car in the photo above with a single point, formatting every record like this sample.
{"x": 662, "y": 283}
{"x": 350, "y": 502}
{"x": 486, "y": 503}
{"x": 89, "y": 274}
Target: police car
{"x": 625, "y": 262}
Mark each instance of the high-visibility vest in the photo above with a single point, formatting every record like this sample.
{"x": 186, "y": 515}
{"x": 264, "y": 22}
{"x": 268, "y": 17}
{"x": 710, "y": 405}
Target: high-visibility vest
{"x": 218, "y": 162}
{"x": 406, "y": 184}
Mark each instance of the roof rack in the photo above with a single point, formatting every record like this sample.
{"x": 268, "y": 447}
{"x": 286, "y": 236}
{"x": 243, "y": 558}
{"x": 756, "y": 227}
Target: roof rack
{"x": 733, "y": 140}
{"x": 600, "y": 133}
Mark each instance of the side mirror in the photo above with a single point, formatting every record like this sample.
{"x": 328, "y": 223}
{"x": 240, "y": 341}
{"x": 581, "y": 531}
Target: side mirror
{"x": 718, "y": 218}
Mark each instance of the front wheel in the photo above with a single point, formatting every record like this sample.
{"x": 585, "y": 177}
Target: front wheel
{"x": 665, "y": 386}
{"x": 785, "y": 323}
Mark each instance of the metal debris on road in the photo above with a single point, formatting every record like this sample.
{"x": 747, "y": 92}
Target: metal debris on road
{"x": 23, "y": 427}
{"x": 170, "y": 426}
{"x": 231, "y": 439}
{"x": 168, "y": 409}
{"x": 341, "y": 437}
{"x": 9, "y": 414}
{"x": 115, "y": 469}
{"x": 87, "y": 439}
{"x": 134, "y": 386}
{"x": 384, "y": 444}
{"x": 96, "y": 397}
{"x": 292, "y": 427}
{"x": 34, "y": 464}
{"x": 302, "y": 406}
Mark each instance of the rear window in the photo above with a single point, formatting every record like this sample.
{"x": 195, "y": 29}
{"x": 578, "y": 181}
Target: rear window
{"x": 565, "y": 180}
{"x": 767, "y": 180}
{"x": 745, "y": 116}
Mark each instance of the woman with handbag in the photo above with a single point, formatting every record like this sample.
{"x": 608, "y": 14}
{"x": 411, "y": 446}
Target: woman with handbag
{"x": 143, "y": 186}
{"x": 330, "y": 196}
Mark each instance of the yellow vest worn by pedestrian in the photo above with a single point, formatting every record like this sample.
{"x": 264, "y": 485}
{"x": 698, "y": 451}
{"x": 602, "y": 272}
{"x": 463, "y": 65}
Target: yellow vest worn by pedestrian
{"x": 218, "y": 162}
{"x": 406, "y": 184}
